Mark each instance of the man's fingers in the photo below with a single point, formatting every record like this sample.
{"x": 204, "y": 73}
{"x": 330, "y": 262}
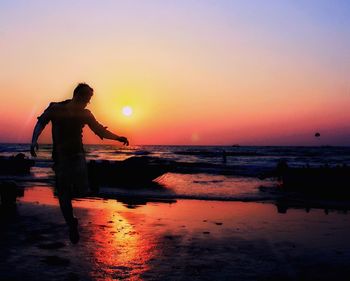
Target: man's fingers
{"x": 124, "y": 140}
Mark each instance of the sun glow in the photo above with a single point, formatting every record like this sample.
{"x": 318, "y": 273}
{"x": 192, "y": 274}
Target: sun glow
{"x": 127, "y": 111}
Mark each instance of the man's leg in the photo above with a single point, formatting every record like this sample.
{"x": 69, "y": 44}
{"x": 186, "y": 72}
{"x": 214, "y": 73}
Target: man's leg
{"x": 64, "y": 193}
{"x": 65, "y": 201}
{"x": 67, "y": 211}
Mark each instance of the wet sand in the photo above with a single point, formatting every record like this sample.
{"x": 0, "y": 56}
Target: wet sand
{"x": 183, "y": 240}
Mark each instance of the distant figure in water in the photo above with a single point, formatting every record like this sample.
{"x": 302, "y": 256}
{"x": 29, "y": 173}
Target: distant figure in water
{"x": 224, "y": 156}
{"x": 68, "y": 119}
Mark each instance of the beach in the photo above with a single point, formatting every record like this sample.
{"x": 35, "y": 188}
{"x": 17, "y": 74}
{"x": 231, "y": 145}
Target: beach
{"x": 197, "y": 140}
{"x": 173, "y": 240}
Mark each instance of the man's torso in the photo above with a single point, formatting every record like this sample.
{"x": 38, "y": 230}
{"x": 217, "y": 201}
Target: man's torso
{"x": 67, "y": 128}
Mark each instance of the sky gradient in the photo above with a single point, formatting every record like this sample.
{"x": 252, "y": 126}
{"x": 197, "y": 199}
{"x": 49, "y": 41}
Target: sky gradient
{"x": 194, "y": 72}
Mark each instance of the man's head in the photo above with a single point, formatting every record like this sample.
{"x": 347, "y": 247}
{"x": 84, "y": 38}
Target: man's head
{"x": 82, "y": 94}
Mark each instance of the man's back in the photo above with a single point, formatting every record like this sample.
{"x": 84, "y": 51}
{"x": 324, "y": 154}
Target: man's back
{"x": 67, "y": 128}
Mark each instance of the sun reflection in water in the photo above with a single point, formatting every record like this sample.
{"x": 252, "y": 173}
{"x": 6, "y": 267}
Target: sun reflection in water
{"x": 118, "y": 248}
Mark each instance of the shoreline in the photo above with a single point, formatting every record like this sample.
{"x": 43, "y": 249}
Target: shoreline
{"x": 182, "y": 240}
{"x": 282, "y": 202}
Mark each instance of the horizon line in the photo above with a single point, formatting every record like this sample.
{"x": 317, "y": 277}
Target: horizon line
{"x": 226, "y": 145}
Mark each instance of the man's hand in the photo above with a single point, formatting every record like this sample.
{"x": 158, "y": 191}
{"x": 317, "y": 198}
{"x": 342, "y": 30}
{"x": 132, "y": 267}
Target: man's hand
{"x": 124, "y": 140}
{"x": 33, "y": 147}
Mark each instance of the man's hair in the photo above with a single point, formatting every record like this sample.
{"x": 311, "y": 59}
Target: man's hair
{"x": 83, "y": 92}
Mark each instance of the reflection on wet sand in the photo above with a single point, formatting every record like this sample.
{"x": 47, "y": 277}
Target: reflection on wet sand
{"x": 113, "y": 244}
{"x": 187, "y": 240}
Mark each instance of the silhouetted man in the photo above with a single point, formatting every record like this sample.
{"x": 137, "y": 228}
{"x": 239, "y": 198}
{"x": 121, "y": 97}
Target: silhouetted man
{"x": 68, "y": 119}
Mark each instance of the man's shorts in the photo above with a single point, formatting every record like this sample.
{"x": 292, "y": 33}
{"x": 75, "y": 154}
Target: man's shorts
{"x": 72, "y": 176}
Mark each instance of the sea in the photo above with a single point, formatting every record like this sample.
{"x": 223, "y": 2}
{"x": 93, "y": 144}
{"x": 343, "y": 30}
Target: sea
{"x": 225, "y": 173}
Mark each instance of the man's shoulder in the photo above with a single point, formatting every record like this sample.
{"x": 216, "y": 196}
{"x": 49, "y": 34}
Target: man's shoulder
{"x": 87, "y": 114}
{"x": 54, "y": 105}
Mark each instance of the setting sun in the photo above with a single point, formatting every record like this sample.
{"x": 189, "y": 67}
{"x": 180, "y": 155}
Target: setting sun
{"x": 127, "y": 111}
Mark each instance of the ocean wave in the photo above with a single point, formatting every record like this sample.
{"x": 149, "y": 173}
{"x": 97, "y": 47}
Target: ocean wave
{"x": 220, "y": 153}
{"x": 127, "y": 193}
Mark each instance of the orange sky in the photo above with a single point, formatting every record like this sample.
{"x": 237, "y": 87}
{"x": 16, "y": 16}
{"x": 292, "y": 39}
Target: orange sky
{"x": 193, "y": 72}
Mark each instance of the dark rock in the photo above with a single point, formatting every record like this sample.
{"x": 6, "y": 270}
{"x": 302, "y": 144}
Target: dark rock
{"x": 8, "y": 193}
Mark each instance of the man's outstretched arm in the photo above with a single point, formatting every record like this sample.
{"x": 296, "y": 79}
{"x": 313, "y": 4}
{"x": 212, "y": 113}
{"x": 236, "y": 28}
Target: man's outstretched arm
{"x": 39, "y": 127}
{"x": 109, "y": 135}
{"x": 102, "y": 131}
